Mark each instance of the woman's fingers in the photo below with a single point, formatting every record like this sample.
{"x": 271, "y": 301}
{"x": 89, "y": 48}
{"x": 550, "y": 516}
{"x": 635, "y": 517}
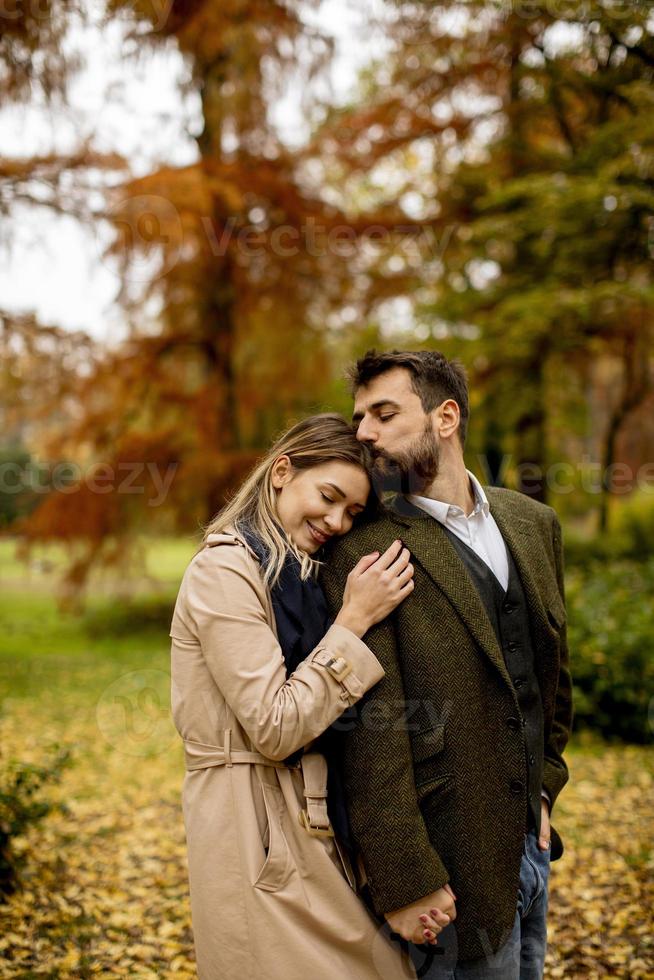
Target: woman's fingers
{"x": 430, "y": 922}
{"x": 364, "y": 563}
{"x": 451, "y": 915}
{"x": 429, "y": 930}
{"x": 405, "y": 574}
{"x": 390, "y": 555}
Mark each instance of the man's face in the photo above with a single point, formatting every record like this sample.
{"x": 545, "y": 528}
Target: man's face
{"x": 391, "y": 420}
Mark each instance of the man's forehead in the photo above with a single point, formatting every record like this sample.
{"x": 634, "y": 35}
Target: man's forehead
{"x": 393, "y": 384}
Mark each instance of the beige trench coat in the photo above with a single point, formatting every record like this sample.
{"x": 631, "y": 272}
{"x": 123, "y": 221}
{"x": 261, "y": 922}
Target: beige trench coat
{"x": 270, "y": 899}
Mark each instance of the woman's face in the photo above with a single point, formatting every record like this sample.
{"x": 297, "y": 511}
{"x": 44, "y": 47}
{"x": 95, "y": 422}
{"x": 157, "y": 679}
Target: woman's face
{"x": 315, "y": 504}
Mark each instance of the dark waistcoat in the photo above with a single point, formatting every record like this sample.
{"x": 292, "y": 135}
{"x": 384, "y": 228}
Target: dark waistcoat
{"x": 509, "y": 617}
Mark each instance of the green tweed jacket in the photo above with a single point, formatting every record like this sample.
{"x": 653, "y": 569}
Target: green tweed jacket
{"x": 430, "y": 765}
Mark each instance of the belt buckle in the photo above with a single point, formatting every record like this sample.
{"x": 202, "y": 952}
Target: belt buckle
{"x": 339, "y": 668}
{"x": 303, "y": 817}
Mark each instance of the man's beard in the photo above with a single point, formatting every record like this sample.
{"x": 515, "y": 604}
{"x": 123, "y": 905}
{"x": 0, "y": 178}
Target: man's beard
{"x": 410, "y": 470}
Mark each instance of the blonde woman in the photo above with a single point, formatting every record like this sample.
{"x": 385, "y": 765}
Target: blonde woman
{"x": 258, "y": 674}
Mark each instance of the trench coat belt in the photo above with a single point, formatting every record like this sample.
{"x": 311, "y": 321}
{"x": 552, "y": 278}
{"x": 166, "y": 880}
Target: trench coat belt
{"x": 313, "y": 766}
{"x": 199, "y": 755}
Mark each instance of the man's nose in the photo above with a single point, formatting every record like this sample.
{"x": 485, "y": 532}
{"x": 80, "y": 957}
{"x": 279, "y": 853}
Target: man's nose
{"x": 366, "y": 432}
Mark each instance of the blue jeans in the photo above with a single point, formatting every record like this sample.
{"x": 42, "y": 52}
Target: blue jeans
{"x": 522, "y": 956}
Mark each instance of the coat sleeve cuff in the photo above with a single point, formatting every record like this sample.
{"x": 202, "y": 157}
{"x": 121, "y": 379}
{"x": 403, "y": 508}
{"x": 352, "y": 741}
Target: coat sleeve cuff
{"x": 349, "y": 661}
{"x": 554, "y": 779}
{"x": 417, "y": 879}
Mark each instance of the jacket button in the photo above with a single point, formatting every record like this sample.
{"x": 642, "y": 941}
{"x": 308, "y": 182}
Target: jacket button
{"x": 518, "y": 682}
{"x": 508, "y": 608}
{"x": 532, "y": 760}
{"x": 512, "y": 646}
{"x": 516, "y": 787}
{"x": 513, "y": 724}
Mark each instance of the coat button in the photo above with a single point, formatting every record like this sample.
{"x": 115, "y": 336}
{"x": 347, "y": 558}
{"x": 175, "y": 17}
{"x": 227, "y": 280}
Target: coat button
{"x": 513, "y": 724}
{"x": 516, "y": 787}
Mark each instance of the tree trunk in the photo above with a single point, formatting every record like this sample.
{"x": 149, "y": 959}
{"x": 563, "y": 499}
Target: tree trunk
{"x": 635, "y": 388}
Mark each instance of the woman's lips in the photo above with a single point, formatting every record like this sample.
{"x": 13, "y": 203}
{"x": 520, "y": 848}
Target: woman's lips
{"x": 316, "y": 534}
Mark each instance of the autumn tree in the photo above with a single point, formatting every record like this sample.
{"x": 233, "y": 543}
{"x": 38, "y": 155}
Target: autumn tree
{"x": 230, "y": 268}
{"x": 529, "y": 136}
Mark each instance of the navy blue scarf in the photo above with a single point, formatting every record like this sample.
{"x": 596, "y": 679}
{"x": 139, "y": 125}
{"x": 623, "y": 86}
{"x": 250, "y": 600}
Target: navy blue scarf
{"x": 302, "y": 619}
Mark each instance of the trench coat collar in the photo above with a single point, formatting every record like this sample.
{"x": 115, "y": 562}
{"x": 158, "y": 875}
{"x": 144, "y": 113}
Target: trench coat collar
{"x": 432, "y": 549}
{"x": 231, "y": 536}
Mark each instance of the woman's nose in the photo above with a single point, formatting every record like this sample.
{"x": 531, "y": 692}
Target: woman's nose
{"x": 334, "y": 522}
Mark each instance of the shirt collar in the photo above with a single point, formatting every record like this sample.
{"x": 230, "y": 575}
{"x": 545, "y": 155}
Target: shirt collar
{"x": 441, "y": 510}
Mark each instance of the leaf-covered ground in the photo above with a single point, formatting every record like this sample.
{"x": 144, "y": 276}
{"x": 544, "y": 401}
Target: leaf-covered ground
{"x": 105, "y": 890}
{"x": 104, "y": 881}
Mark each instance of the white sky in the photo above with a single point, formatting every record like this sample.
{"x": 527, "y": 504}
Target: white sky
{"x": 55, "y": 266}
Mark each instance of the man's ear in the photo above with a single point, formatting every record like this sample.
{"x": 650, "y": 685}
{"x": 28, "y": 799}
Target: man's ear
{"x": 281, "y": 472}
{"x": 448, "y": 417}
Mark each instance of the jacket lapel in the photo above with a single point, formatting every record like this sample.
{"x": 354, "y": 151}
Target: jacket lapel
{"x": 432, "y": 549}
{"x": 522, "y": 538}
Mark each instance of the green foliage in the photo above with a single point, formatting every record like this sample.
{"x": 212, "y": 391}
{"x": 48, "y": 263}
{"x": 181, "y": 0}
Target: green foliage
{"x": 611, "y": 625}
{"x": 144, "y": 614}
{"x": 631, "y": 536}
{"x": 634, "y": 522}
{"x": 16, "y": 499}
{"x": 22, "y": 806}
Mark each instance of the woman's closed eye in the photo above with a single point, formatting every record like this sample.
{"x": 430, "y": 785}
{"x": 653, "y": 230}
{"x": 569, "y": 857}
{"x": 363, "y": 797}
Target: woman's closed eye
{"x": 329, "y": 499}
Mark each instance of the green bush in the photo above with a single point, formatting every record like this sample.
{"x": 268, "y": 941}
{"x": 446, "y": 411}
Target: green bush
{"x": 611, "y": 637}
{"x": 634, "y": 524}
{"x": 125, "y": 617}
{"x": 21, "y": 806}
{"x": 586, "y": 553}
{"x": 631, "y": 534}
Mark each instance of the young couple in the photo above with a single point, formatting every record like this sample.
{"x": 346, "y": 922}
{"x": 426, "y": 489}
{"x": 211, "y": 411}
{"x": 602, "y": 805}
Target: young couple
{"x": 364, "y": 565}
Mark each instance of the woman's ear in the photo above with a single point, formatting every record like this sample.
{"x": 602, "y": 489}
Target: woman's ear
{"x": 281, "y": 472}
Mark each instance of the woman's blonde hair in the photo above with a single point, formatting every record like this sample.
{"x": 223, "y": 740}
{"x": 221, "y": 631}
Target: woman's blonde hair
{"x": 315, "y": 440}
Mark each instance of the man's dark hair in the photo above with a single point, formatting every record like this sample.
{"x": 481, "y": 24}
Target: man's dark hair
{"x": 433, "y": 378}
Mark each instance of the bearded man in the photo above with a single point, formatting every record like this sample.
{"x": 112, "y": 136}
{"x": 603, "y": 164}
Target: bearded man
{"x": 454, "y": 761}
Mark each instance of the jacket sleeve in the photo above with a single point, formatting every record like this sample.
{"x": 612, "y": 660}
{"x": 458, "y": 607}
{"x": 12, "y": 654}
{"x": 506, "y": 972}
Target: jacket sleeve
{"x": 400, "y": 862}
{"x": 220, "y": 605}
{"x": 555, "y": 770}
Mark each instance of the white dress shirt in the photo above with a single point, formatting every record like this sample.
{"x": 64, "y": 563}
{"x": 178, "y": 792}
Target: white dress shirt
{"x": 478, "y": 530}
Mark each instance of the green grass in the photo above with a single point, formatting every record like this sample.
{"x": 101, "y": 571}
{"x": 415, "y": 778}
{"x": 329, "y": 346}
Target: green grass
{"x": 159, "y": 562}
{"x": 47, "y": 652}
